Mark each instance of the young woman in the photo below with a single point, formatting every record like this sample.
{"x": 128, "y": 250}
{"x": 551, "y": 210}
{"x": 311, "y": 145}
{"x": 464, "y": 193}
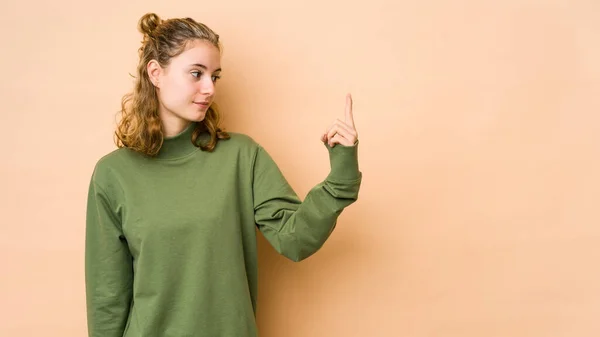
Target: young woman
{"x": 172, "y": 213}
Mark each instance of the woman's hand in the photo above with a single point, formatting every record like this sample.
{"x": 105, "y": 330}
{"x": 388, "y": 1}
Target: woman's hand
{"x": 342, "y": 132}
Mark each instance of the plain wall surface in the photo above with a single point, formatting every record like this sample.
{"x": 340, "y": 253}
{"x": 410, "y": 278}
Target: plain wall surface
{"x": 479, "y": 138}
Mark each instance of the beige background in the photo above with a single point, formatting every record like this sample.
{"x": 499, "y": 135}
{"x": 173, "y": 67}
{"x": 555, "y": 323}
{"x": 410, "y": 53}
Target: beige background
{"x": 479, "y": 130}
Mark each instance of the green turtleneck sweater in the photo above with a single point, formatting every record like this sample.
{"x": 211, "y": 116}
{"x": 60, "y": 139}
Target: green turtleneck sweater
{"x": 170, "y": 247}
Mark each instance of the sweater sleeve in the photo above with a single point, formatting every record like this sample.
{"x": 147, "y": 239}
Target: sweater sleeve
{"x": 108, "y": 267}
{"x": 295, "y": 228}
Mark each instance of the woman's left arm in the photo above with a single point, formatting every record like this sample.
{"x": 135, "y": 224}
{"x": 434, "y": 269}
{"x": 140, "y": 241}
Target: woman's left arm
{"x": 295, "y": 228}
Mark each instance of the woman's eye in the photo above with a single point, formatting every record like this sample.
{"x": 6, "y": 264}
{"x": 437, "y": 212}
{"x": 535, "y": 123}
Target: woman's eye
{"x": 196, "y": 73}
{"x": 216, "y": 78}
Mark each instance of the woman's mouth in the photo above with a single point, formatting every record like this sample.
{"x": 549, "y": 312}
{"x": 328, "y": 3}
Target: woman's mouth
{"x": 204, "y": 104}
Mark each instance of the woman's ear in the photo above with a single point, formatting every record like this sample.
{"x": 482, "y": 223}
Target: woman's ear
{"x": 154, "y": 70}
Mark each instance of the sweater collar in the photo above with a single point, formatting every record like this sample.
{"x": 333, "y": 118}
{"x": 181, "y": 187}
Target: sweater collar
{"x": 179, "y": 145}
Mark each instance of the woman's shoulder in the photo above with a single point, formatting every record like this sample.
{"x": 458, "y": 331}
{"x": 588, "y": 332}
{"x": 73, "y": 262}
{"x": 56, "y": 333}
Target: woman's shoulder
{"x": 241, "y": 145}
{"x": 115, "y": 157}
{"x": 114, "y": 161}
{"x": 240, "y": 137}
{"x": 241, "y": 141}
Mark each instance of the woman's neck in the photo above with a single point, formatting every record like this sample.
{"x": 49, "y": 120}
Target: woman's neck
{"x": 173, "y": 125}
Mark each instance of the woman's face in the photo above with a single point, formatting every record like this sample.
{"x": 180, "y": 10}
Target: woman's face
{"x": 186, "y": 87}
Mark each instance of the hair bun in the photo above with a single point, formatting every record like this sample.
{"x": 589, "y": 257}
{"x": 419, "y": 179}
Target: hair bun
{"x": 148, "y": 23}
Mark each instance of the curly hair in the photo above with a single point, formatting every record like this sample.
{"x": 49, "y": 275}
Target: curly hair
{"x": 140, "y": 127}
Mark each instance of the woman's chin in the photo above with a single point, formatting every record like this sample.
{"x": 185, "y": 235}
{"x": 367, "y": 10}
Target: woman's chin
{"x": 197, "y": 116}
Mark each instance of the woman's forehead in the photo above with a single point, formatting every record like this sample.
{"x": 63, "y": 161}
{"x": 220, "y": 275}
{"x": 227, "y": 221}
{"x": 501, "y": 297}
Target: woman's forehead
{"x": 200, "y": 53}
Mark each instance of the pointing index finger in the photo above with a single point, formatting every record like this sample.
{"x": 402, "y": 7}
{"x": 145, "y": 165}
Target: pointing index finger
{"x": 349, "y": 115}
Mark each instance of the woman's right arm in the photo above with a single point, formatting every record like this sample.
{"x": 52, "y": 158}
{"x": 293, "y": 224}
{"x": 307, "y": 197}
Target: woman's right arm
{"x": 108, "y": 267}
